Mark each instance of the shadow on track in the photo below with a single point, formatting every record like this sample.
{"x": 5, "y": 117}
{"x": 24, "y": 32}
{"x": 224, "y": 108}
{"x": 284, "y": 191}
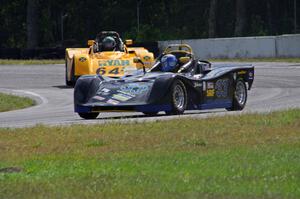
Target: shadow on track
{"x": 63, "y": 87}
{"x": 160, "y": 115}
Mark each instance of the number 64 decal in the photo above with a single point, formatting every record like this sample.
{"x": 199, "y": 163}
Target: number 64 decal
{"x": 114, "y": 71}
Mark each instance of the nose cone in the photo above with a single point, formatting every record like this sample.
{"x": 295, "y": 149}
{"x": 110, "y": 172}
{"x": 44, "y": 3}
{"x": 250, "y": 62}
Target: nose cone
{"x": 122, "y": 93}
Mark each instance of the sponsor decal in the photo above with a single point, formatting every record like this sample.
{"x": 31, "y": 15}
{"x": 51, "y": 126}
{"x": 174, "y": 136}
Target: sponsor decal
{"x": 210, "y": 85}
{"x": 250, "y": 75}
{"x": 222, "y": 88}
{"x": 242, "y": 72}
{"x": 116, "y": 62}
{"x": 98, "y": 98}
{"x": 210, "y": 92}
{"x": 204, "y": 86}
{"x": 82, "y": 59}
{"x": 110, "y": 86}
{"x": 197, "y": 84}
{"x": 134, "y": 88}
{"x": 103, "y": 91}
{"x": 129, "y": 94}
{"x": 121, "y": 97}
{"x": 113, "y": 102}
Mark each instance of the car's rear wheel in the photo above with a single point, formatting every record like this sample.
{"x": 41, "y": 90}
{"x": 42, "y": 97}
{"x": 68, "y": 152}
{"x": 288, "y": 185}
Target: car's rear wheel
{"x": 88, "y": 116}
{"x": 178, "y": 98}
{"x": 150, "y": 113}
{"x": 240, "y": 96}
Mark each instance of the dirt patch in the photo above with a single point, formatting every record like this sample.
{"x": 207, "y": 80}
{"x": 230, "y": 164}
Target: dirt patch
{"x": 11, "y": 170}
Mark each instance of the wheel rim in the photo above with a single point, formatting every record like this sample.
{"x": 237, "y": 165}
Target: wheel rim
{"x": 179, "y": 98}
{"x": 240, "y": 93}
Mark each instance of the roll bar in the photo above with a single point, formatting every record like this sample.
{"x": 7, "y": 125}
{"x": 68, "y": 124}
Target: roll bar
{"x": 177, "y": 48}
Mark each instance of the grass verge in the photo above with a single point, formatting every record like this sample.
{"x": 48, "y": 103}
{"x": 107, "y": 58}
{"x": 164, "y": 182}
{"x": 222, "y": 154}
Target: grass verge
{"x": 287, "y": 60}
{"x": 248, "y": 156}
{"x": 31, "y": 61}
{"x": 12, "y": 102}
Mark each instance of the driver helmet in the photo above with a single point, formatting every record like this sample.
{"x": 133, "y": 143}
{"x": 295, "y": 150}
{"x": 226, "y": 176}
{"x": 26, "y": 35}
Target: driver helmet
{"x": 108, "y": 43}
{"x": 168, "y": 63}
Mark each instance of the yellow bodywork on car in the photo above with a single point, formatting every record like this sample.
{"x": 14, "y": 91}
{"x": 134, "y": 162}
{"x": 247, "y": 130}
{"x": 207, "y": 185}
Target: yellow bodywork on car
{"x": 84, "y": 61}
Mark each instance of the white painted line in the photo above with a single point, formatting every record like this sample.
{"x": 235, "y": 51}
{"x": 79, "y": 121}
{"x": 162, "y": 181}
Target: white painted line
{"x": 43, "y": 99}
{"x": 35, "y": 96}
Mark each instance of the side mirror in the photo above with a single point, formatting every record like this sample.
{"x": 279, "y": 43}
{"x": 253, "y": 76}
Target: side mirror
{"x": 205, "y": 65}
{"x": 90, "y": 42}
{"x": 128, "y": 42}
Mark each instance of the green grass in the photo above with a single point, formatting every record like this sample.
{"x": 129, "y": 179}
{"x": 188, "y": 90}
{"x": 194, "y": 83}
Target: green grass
{"x": 12, "y": 102}
{"x": 248, "y": 156}
{"x": 288, "y": 60}
{"x": 30, "y": 61}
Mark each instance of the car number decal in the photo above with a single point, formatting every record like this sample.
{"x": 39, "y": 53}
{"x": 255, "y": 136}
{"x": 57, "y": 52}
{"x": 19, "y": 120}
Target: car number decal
{"x": 222, "y": 88}
{"x": 110, "y": 70}
{"x": 114, "y": 71}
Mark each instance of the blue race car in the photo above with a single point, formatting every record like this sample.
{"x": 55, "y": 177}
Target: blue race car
{"x": 175, "y": 83}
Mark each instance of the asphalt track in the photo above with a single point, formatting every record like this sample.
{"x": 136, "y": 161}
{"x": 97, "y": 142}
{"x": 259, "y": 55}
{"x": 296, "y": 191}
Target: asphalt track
{"x": 276, "y": 87}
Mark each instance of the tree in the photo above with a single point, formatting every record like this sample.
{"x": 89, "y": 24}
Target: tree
{"x": 162, "y": 20}
{"x": 240, "y": 19}
{"x": 212, "y": 19}
{"x": 32, "y": 25}
{"x": 270, "y": 17}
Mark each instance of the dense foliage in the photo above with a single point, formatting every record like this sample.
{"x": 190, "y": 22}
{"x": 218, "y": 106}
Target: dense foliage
{"x": 159, "y": 20}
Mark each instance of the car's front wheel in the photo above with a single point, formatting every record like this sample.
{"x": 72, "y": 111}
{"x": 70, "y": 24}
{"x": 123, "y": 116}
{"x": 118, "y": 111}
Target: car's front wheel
{"x": 88, "y": 116}
{"x": 72, "y": 81}
{"x": 178, "y": 98}
{"x": 240, "y": 96}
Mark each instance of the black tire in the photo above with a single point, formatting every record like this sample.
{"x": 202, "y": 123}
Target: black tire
{"x": 66, "y": 74}
{"x": 150, "y": 113}
{"x": 88, "y": 116}
{"x": 72, "y": 82}
{"x": 178, "y": 105}
{"x": 239, "y": 97}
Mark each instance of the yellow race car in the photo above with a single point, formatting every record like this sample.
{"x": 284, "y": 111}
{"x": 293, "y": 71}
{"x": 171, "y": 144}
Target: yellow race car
{"x": 106, "y": 55}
